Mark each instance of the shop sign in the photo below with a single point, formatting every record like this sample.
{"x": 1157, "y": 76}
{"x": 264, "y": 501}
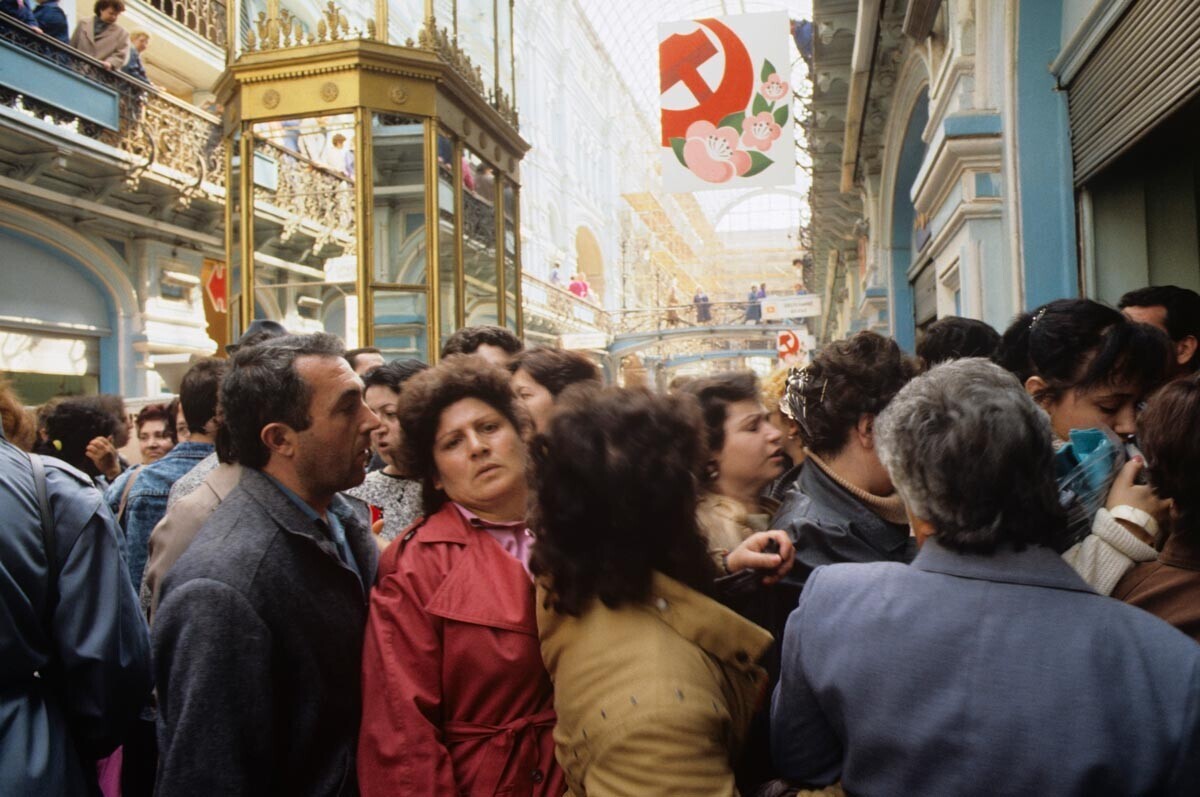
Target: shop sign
{"x": 778, "y": 308}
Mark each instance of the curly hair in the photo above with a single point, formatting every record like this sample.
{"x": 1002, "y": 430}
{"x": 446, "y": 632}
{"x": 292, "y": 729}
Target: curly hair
{"x": 468, "y": 339}
{"x": 72, "y": 424}
{"x": 714, "y": 395}
{"x": 555, "y": 369}
{"x": 1169, "y": 434}
{"x": 1077, "y": 344}
{"x": 616, "y": 493}
{"x": 846, "y": 380}
{"x": 392, "y": 375}
{"x": 429, "y": 393}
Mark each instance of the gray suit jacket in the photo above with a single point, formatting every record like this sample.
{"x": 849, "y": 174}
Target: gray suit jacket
{"x": 258, "y": 650}
{"x": 992, "y": 675}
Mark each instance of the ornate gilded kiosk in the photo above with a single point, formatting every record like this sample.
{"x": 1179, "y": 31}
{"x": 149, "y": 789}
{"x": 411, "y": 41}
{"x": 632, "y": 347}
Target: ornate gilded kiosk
{"x": 347, "y": 128}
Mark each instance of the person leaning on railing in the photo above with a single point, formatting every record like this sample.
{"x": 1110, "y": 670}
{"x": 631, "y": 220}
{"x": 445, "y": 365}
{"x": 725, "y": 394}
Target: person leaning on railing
{"x": 101, "y": 37}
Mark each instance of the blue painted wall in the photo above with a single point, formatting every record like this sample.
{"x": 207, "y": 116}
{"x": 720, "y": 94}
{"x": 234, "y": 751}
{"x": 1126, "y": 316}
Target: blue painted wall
{"x": 912, "y": 153}
{"x": 1047, "y": 208}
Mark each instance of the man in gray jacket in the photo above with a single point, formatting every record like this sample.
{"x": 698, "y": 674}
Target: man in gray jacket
{"x": 74, "y": 652}
{"x": 987, "y": 666}
{"x": 258, "y": 635}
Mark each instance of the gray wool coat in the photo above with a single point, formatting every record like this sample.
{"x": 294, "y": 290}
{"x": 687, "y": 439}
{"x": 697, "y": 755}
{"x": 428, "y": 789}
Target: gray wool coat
{"x": 258, "y": 646}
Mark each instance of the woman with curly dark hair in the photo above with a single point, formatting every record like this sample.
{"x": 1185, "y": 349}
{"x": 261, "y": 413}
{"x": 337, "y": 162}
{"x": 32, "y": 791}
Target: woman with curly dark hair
{"x": 655, "y": 681}
{"x": 456, "y": 700}
{"x": 844, "y": 507}
{"x": 540, "y": 374}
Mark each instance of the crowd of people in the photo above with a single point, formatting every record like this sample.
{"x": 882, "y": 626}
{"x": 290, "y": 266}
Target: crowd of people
{"x": 333, "y": 574}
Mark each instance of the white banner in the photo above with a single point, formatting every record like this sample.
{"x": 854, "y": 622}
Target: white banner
{"x": 726, "y": 102}
{"x": 776, "y": 308}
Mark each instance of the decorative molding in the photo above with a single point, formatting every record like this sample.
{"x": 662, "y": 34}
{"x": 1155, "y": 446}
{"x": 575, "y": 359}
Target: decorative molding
{"x": 270, "y": 99}
{"x": 398, "y": 94}
{"x": 329, "y": 91}
{"x": 919, "y": 18}
{"x": 285, "y": 30}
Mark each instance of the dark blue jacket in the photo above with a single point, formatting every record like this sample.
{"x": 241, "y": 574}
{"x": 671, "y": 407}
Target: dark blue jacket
{"x": 91, "y": 655}
{"x": 134, "y": 67}
{"x": 969, "y": 674}
{"x": 22, "y": 12}
{"x": 52, "y": 21}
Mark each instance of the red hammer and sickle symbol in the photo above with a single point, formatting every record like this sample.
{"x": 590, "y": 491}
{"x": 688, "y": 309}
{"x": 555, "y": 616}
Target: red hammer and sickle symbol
{"x": 680, "y": 57}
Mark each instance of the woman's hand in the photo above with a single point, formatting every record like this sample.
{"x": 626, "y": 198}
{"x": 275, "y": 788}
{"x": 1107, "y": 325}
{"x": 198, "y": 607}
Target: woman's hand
{"x": 1125, "y": 492}
{"x": 103, "y": 455}
{"x": 752, "y": 555}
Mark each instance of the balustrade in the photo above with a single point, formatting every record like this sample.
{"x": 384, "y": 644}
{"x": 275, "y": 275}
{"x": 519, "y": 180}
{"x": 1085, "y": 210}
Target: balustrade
{"x": 203, "y": 17}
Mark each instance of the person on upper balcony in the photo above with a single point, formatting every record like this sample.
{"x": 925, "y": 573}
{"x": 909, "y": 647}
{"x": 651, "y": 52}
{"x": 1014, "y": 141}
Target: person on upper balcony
{"x": 101, "y": 37}
{"x": 20, "y": 10}
{"x": 139, "y": 41}
{"x": 52, "y": 20}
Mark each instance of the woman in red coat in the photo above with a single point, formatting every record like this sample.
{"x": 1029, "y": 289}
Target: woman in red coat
{"x": 456, "y": 700}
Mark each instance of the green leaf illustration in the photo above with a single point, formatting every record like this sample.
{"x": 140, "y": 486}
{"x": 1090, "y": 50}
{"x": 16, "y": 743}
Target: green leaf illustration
{"x": 760, "y": 105}
{"x": 758, "y": 162}
{"x": 767, "y": 70}
{"x": 781, "y": 114}
{"x": 734, "y": 120}
{"x": 677, "y": 145}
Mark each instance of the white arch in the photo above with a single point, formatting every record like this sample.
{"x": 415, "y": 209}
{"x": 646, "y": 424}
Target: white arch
{"x": 754, "y": 194}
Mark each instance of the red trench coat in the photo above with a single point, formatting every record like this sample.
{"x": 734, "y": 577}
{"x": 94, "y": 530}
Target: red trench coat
{"x": 456, "y": 700}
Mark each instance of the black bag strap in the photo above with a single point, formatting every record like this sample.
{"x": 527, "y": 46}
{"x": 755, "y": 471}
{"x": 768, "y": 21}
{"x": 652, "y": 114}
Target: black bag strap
{"x": 39, "y": 484}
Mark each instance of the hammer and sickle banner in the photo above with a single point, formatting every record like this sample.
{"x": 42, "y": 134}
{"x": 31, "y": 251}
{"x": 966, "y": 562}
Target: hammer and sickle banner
{"x": 726, "y": 102}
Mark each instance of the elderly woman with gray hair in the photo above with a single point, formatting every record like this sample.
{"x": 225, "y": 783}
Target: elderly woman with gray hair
{"x": 987, "y": 660}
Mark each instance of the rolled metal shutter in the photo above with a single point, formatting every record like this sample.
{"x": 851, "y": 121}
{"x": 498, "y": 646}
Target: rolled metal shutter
{"x": 1144, "y": 70}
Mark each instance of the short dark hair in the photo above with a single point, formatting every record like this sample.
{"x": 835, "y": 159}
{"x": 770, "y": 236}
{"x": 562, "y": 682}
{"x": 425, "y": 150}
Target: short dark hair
{"x": 555, "y": 369}
{"x": 970, "y": 452}
{"x": 846, "y": 380}
{"x": 156, "y": 412}
{"x": 1169, "y": 435}
{"x": 468, "y": 339}
{"x": 71, "y": 425}
{"x": 103, "y": 4}
{"x": 392, "y": 375}
{"x": 953, "y": 338}
{"x": 172, "y": 413}
{"x": 199, "y": 391}
{"x": 714, "y": 394}
{"x": 429, "y": 393}
{"x": 352, "y": 354}
{"x": 1182, "y": 306}
{"x": 1079, "y": 344}
{"x": 263, "y": 387}
{"x": 636, "y": 447}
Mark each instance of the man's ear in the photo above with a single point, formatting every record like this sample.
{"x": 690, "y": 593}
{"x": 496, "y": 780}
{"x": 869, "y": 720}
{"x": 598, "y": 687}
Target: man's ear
{"x": 279, "y": 438}
{"x": 1185, "y": 349}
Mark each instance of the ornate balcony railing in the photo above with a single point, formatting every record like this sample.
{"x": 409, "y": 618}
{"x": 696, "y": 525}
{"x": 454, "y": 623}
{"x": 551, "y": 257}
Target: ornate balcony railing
{"x": 151, "y": 126}
{"x": 560, "y": 306}
{"x": 203, "y": 17}
{"x": 310, "y": 195}
{"x": 648, "y": 319}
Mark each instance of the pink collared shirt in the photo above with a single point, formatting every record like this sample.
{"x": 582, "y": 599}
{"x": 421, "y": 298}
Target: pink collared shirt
{"x": 514, "y": 536}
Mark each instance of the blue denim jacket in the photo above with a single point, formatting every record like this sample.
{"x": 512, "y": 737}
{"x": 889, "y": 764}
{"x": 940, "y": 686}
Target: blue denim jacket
{"x": 147, "y": 502}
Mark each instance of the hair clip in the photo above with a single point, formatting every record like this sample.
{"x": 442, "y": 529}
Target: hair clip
{"x": 1037, "y": 318}
{"x": 798, "y": 385}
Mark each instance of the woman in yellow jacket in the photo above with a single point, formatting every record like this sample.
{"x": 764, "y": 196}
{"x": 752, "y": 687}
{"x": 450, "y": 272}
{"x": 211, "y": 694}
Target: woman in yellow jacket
{"x": 655, "y": 682}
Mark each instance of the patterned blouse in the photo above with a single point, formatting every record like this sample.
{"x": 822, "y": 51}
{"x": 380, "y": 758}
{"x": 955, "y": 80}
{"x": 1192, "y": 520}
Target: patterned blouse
{"x": 397, "y": 498}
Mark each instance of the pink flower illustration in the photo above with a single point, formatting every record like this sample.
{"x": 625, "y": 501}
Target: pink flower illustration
{"x": 775, "y": 89}
{"x": 761, "y": 131}
{"x": 712, "y": 154}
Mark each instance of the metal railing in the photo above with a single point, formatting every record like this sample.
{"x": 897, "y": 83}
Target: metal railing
{"x": 203, "y": 17}
{"x": 706, "y": 314}
{"x": 153, "y": 127}
{"x": 560, "y": 305}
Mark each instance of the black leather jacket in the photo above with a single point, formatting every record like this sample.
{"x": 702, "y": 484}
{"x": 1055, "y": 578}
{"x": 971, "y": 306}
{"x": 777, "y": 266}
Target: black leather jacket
{"x": 829, "y": 525}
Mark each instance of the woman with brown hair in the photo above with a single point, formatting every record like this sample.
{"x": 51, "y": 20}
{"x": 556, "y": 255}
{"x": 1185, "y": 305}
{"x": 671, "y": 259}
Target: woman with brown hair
{"x": 540, "y": 374}
{"x": 455, "y": 697}
{"x": 655, "y": 681}
{"x": 844, "y": 507}
{"x": 1169, "y": 433}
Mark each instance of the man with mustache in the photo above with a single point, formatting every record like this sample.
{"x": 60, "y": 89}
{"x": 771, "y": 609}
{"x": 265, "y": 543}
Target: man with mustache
{"x": 258, "y": 635}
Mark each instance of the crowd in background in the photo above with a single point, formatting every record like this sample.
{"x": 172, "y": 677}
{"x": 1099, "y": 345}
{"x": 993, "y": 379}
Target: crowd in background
{"x": 975, "y": 570}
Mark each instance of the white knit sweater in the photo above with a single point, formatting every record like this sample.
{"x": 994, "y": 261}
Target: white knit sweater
{"x": 1106, "y": 554}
